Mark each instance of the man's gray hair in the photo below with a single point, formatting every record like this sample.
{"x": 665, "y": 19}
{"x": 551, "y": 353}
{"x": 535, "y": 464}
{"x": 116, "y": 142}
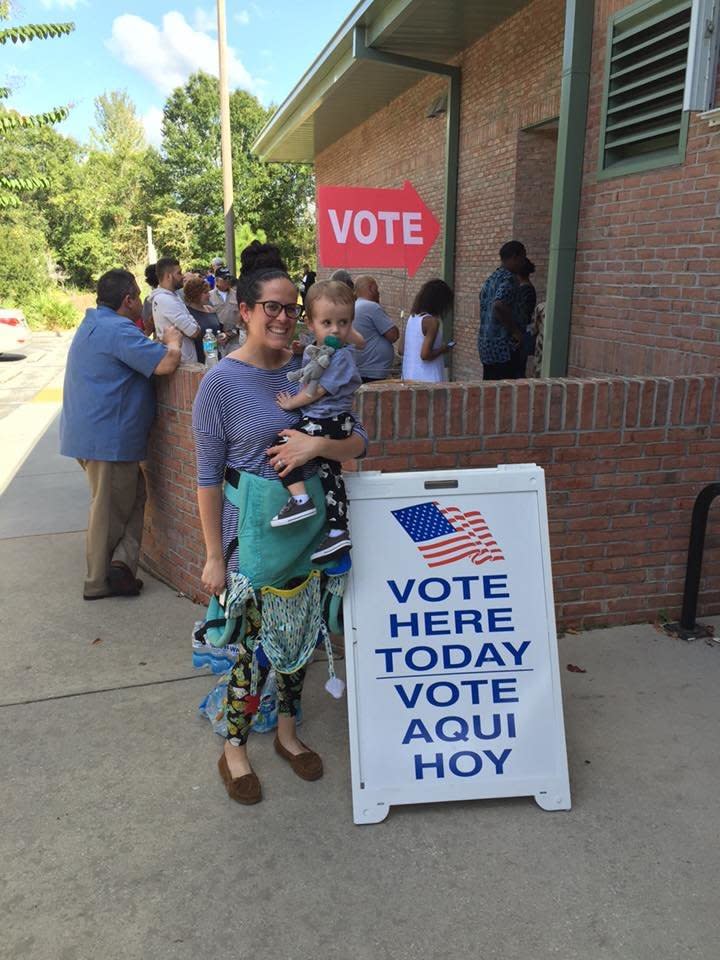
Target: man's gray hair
{"x": 344, "y": 277}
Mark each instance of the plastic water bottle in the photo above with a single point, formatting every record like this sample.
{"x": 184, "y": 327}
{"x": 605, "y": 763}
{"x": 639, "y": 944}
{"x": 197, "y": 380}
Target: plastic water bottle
{"x": 210, "y": 348}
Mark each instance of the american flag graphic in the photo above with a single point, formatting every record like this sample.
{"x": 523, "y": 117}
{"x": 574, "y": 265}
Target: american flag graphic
{"x": 447, "y": 534}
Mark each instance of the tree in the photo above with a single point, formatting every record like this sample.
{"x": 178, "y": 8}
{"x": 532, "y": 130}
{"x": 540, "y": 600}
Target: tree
{"x": 284, "y": 208}
{"x": 173, "y": 235}
{"x": 190, "y": 171}
{"x": 244, "y": 236}
{"x": 272, "y": 198}
{"x": 11, "y": 186}
{"x": 94, "y": 203}
{"x": 113, "y": 177}
{"x": 23, "y": 255}
{"x": 119, "y": 130}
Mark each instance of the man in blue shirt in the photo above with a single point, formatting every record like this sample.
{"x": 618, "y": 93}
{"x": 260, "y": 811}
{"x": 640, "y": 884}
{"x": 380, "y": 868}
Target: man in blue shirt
{"x": 499, "y": 333}
{"x": 108, "y": 408}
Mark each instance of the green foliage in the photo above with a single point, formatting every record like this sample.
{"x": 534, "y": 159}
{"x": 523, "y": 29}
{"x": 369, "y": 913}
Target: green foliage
{"x": 86, "y": 256}
{"x": 119, "y": 130}
{"x": 23, "y": 183}
{"x": 11, "y": 120}
{"x": 274, "y": 198}
{"x": 244, "y": 236}
{"x": 86, "y": 208}
{"x": 284, "y": 193}
{"x": 190, "y": 159}
{"x": 173, "y": 235}
{"x": 23, "y": 262}
{"x": 34, "y": 31}
{"x": 50, "y": 310}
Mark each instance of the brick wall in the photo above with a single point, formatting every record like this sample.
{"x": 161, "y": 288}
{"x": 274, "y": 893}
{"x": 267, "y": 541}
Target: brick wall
{"x": 511, "y": 80}
{"x": 173, "y": 547}
{"x": 625, "y": 458}
{"x": 534, "y": 190}
{"x": 648, "y": 263}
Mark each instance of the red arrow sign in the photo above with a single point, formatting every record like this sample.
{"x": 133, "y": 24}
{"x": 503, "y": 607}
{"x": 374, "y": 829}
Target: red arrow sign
{"x": 372, "y": 227}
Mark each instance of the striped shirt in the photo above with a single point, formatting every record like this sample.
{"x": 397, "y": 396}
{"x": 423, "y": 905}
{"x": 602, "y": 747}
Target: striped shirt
{"x": 235, "y": 419}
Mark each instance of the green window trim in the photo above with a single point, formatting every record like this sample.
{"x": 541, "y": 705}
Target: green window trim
{"x": 643, "y": 125}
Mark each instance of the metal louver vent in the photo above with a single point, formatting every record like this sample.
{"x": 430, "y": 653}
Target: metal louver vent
{"x": 646, "y": 83}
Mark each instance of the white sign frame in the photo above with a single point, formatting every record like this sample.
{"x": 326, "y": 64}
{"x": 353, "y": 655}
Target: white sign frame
{"x": 382, "y": 773}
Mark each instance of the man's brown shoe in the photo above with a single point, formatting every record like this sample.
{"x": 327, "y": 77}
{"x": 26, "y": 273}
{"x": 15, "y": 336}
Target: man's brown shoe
{"x": 307, "y": 765}
{"x": 241, "y": 789}
{"x": 121, "y": 580}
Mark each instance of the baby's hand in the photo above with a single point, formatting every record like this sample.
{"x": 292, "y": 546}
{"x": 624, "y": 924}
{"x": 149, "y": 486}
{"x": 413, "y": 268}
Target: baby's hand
{"x": 284, "y": 400}
{"x": 297, "y": 347}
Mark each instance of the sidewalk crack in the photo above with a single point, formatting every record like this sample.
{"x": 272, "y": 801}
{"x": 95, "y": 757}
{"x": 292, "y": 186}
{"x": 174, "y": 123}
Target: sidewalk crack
{"x": 89, "y": 693}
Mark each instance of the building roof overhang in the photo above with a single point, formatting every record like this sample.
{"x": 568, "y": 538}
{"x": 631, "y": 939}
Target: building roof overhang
{"x": 338, "y": 92}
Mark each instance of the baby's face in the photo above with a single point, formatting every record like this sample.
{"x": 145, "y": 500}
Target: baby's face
{"x": 330, "y": 320}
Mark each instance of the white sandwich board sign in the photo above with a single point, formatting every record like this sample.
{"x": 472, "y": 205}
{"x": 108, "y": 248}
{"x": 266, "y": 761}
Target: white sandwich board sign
{"x": 452, "y": 664}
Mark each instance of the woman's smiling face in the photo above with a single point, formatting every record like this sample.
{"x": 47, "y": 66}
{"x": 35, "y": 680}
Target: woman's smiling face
{"x": 273, "y": 333}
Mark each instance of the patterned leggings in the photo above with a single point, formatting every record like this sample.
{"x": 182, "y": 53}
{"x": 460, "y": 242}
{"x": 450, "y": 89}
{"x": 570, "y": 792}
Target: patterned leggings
{"x": 289, "y": 690}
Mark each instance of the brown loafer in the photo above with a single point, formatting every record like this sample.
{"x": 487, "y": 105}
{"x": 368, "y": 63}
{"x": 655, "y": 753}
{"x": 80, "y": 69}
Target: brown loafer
{"x": 307, "y": 765}
{"x": 121, "y": 580}
{"x": 245, "y": 789}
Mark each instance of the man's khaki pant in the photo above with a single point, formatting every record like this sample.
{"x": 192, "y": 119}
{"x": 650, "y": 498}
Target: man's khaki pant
{"x": 115, "y": 524}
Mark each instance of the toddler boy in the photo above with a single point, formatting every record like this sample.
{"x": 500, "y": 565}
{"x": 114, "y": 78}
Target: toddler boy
{"x": 330, "y": 308}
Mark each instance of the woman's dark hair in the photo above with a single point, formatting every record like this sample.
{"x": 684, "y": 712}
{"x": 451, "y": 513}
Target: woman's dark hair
{"x": 526, "y": 268}
{"x": 151, "y": 277}
{"x": 259, "y": 262}
{"x": 114, "y": 286}
{"x": 433, "y": 297}
{"x": 513, "y": 248}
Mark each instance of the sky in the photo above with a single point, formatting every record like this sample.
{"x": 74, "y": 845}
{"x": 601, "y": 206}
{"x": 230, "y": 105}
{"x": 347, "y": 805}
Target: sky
{"x": 150, "y": 47}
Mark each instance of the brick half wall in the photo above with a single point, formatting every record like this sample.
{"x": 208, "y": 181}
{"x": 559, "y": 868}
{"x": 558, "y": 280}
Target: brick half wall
{"x": 624, "y": 460}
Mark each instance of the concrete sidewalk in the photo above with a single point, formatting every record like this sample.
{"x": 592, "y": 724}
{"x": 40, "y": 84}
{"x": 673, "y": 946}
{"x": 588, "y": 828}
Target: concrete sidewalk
{"x": 30, "y": 400}
{"x": 119, "y": 841}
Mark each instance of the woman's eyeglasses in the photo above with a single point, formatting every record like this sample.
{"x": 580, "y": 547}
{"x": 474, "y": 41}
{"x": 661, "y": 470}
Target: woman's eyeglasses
{"x": 273, "y": 309}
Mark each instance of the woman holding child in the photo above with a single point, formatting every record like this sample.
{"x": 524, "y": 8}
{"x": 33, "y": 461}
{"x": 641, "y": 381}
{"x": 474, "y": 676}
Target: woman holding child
{"x": 243, "y": 406}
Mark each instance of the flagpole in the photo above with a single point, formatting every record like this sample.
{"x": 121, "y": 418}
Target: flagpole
{"x": 225, "y": 140}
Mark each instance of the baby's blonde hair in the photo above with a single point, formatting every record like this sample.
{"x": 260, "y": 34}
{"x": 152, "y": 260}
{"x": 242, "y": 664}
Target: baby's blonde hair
{"x": 333, "y": 290}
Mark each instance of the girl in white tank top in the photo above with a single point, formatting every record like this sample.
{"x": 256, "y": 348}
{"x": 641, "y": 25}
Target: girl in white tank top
{"x": 423, "y": 348}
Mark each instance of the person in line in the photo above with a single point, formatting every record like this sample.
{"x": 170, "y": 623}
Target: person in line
{"x": 224, "y": 301}
{"x": 525, "y": 303}
{"x": 108, "y": 408}
{"x": 499, "y": 334}
{"x": 236, "y": 420}
{"x": 215, "y": 264}
{"x": 423, "y": 348}
{"x": 168, "y": 309}
{"x": 152, "y": 281}
{"x": 326, "y": 412}
{"x": 197, "y": 300}
{"x": 344, "y": 277}
{"x": 376, "y": 328}
{"x": 308, "y": 279}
